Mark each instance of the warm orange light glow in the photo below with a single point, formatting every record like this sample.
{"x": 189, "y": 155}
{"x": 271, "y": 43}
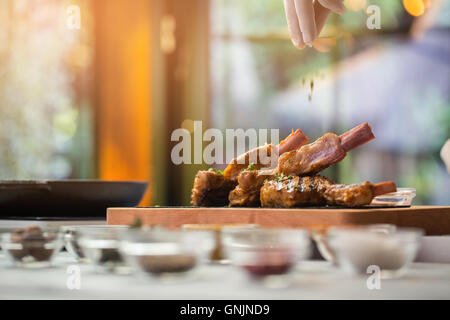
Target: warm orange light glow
{"x": 427, "y": 3}
{"x": 123, "y": 55}
{"x": 188, "y": 124}
{"x": 414, "y": 7}
{"x": 324, "y": 44}
{"x": 355, "y": 5}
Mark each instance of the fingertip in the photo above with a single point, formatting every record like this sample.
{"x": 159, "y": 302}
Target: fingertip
{"x": 333, "y": 5}
{"x": 341, "y": 10}
{"x": 300, "y": 46}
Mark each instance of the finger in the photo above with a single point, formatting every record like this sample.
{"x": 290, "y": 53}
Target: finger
{"x": 336, "y": 6}
{"x": 321, "y": 15}
{"x": 305, "y": 13}
{"x": 293, "y": 26}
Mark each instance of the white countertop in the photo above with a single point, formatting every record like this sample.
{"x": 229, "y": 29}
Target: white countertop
{"x": 311, "y": 280}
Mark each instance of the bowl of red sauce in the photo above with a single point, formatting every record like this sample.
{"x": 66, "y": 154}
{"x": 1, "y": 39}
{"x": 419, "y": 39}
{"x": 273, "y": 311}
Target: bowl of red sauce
{"x": 266, "y": 252}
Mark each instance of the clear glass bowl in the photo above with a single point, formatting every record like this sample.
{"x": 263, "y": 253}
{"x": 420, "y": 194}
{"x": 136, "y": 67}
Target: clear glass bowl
{"x": 100, "y": 245}
{"x": 218, "y": 253}
{"x": 32, "y": 247}
{"x": 72, "y": 235}
{"x": 320, "y": 238}
{"x": 166, "y": 253}
{"x": 357, "y": 249}
{"x": 403, "y": 197}
{"x": 266, "y": 252}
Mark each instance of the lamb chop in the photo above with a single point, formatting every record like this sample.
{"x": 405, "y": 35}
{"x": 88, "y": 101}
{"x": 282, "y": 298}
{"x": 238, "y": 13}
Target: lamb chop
{"x": 246, "y": 193}
{"x": 212, "y": 187}
{"x": 324, "y": 152}
{"x": 308, "y": 160}
{"x": 356, "y": 195}
{"x": 261, "y": 156}
{"x": 289, "y": 192}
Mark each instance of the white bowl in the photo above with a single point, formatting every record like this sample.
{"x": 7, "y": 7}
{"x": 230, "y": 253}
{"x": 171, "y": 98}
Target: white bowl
{"x": 358, "y": 249}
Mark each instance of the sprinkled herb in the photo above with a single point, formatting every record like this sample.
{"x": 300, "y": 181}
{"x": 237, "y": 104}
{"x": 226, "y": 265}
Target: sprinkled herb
{"x": 309, "y": 82}
{"x": 282, "y": 177}
{"x": 250, "y": 167}
{"x": 215, "y": 170}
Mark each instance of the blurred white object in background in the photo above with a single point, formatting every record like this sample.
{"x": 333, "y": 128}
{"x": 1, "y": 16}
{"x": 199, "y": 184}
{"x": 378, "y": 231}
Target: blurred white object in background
{"x": 434, "y": 249}
{"x": 445, "y": 154}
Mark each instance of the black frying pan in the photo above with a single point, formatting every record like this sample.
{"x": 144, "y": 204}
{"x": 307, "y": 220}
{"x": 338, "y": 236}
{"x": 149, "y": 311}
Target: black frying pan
{"x": 67, "y": 198}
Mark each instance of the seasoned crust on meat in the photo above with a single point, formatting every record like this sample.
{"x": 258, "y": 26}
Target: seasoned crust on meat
{"x": 211, "y": 189}
{"x": 353, "y": 195}
{"x": 316, "y": 190}
{"x": 246, "y": 194}
{"x": 261, "y": 159}
{"x": 312, "y": 158}
{"x": 290, "y": 192}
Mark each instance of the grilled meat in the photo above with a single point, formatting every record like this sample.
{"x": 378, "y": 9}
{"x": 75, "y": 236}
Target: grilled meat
{"x": 261, "y": 156}
{"x": 290, "y": 192}
{"x": 356, "y": 195}
{"x": 300, "y": 163}
{"x": 326, "y": 151}
{"x": 308, "y": 160}
{"x": 316, "y": 190}
{"x": 246, "y": 194}
{"x": 211, "y": 189}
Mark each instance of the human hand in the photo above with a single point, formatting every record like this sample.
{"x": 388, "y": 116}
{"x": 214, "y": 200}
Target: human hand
{"x": 445, "y": 154}
{"x": 306, "y": 18}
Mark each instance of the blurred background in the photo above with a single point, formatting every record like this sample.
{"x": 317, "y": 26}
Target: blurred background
{"x": 102, "y": 100}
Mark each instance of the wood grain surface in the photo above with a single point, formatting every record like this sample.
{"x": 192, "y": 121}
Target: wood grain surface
{"x": 433, "y": 219}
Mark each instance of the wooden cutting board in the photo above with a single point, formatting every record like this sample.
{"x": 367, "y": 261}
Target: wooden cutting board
{"x": 434, "y": 220}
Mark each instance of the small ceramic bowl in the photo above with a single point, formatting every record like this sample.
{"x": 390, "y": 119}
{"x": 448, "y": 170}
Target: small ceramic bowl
{"x": 266, "y": 252}
{"x": 359, "y": 249}
{"x": 32, "y": 247}
{"x": 159, "y": 252}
